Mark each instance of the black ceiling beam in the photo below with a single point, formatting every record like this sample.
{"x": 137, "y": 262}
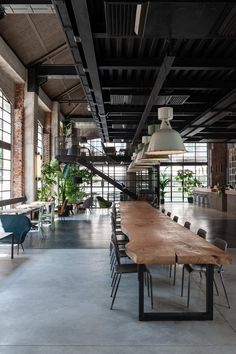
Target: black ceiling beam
{"x": 210, "y": 116}
{"x": 192, "y": 108}
{"x": 170, "y": 84}
{"x": 49, "y": 55}
{"x": 81, "y": 16}
{"x": 160, "y": 79}
{"x": 57, "y": 70}
{"x": 68, "y": 91}
{"x": 125, "y": 63}
{"x": 77, "y": 54}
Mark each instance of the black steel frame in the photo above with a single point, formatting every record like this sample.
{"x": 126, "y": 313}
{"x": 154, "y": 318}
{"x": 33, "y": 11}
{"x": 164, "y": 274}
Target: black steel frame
{"x": 178, "y": 316}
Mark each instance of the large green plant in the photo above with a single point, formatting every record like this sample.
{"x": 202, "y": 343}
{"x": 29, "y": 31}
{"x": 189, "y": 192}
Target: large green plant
{"x": 49, "y": 180}
{"x": 57, "y": 182}
{"x": 188, "y": 181}
{"x": 163, "y": 183}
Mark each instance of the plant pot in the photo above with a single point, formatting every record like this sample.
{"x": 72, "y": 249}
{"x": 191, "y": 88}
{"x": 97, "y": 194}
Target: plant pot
{"x": 162, "y": 201}
{"x": 190, "y": 200}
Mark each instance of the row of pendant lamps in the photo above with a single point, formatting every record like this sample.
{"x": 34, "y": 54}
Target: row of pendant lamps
{"x": 157, "y": 147}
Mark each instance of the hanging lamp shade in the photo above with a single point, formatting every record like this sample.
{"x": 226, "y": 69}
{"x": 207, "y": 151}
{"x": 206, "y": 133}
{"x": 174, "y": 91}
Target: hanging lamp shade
{"x": 165, "y": 141}
{"x": 152, "y": 159}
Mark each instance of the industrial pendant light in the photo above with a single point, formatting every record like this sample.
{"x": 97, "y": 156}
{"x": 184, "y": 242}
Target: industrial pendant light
{"x": 165, "y": 141}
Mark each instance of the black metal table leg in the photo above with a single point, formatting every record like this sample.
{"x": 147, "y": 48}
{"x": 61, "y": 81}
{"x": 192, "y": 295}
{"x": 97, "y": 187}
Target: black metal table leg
{"x": 12, "y": 246}
{"x": 178, "y": 316}
{"x": 141, "y": 291}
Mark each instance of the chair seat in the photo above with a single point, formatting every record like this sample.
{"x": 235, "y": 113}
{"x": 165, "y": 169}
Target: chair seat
{"x": 126, "y": 268}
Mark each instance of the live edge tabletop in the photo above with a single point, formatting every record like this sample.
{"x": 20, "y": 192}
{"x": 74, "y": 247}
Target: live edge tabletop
{"x": 156, "y": 239}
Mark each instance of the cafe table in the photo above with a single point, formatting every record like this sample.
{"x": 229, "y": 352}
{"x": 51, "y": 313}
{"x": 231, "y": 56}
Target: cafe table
{"x": 156, "y": 239}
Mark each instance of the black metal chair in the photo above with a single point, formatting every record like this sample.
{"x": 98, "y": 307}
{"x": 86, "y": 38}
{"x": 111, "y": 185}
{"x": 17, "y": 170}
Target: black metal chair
{"x": 128, "y": 268}
{"x": 187, "y": 225}
{"x": 175, "y": 218}
{"x": 191, "y": 268}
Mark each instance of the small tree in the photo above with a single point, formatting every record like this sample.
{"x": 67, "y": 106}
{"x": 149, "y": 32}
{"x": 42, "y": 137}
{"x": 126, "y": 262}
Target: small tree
{"x": 188, "y": 181}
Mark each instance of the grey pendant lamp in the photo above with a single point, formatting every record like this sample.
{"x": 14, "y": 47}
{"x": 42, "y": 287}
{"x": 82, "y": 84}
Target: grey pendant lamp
{"x": 165, "y": 141}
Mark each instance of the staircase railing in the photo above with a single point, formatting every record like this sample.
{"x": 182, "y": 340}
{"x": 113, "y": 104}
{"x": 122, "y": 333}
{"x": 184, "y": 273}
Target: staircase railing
{"x": 67, "y": 149}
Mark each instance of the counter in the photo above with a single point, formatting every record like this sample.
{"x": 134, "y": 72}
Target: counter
{"x": 214, "y": 200}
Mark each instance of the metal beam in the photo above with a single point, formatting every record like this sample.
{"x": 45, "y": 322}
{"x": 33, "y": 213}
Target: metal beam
{"x": 189, "y": 108}
{"x": 210, "y": 116}
{"x": 57, "y": 71}
{"x": 68, "y": 91}
{"x": 185, "y": 64}
{"x": 161, "y": 77}
{"x": 84, "y": 28}
{"x": 169, "y": 84}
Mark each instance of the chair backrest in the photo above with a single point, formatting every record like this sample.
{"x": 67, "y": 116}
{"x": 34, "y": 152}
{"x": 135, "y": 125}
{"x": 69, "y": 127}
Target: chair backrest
{"x": 169, "y": 214}
{"x": 175, "y": 218}
{"x": 87, "y": 204}
{"x": 115, "y": 247}
{"x": 222, "y": 244}
{"x": 187, "y": 224}
{"x": 20, "y": 225}
{"x": 201, "y": 233}
{"x": 103, "y": 203}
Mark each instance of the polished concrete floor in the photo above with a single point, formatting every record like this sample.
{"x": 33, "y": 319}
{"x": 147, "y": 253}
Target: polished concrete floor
{"x": 54, "y": 298}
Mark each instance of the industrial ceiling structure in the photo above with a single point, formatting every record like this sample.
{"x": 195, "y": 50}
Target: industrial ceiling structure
{"x": 117, "y": 62}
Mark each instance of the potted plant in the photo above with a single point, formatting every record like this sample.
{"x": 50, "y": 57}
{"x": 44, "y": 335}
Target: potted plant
{"x": 57, "y": 181}
{"x": 163, "y": 183}
{"x": 188, "y": 182}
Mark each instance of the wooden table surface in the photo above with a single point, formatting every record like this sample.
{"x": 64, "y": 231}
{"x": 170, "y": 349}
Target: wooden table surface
{"x": 157, "y": 239}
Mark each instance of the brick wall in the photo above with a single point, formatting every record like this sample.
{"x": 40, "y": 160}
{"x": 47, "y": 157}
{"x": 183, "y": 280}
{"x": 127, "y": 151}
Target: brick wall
{"x": 18, "y": 145}
{"x": 219, "y": 164}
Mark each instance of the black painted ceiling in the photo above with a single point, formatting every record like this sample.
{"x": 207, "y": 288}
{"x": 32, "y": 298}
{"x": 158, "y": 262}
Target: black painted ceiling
{"x": 182, "y": 54}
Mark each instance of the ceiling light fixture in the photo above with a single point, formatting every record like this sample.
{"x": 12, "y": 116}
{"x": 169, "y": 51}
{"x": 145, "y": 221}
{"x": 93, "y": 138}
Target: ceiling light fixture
{"x": 165, "y": 141}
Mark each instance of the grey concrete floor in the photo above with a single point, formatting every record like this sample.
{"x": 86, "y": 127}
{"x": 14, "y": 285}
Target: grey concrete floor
{"x": 57, "y": 301}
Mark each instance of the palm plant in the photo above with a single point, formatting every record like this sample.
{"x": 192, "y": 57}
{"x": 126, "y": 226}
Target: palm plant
{"x": 163, "y": 183}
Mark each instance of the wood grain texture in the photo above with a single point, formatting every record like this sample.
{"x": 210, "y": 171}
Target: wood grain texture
{"x": 157, "y": 239}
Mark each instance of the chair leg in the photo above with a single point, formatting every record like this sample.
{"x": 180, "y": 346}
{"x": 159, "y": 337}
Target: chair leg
{"x": 114, "y": 296}
{"x": 151, "y": 289}
{"x": 216, "y": 287}
{"x": 114, "y": 284}
{"x": 182, "y": 283}
{"x": 189, "y": 278}
{"x": 174, "y": 274}
{"x": 226, "y": 295}
{"x": 18, "y": 247}
{"x": 22, "y": 247}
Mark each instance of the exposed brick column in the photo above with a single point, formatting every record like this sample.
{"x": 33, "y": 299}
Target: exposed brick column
{"x": 18, "y": 145}
{"x": 47, "y": 137}
{"x": 218, "y": 164}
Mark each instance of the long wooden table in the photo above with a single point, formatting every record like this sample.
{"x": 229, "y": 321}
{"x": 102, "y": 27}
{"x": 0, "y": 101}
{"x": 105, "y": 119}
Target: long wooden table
{"x": 156, "y": 239}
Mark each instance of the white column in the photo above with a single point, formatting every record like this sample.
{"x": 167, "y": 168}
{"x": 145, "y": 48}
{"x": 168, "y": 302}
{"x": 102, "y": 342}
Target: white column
{"x": 31, "y": 115}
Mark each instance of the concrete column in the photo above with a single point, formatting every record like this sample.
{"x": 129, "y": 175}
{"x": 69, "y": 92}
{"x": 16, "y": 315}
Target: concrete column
{"x": 31, "y": 117}
{"x": 55, "y": 120}
{"x": 47, "y": 137}
{"x": 18, "y": 146}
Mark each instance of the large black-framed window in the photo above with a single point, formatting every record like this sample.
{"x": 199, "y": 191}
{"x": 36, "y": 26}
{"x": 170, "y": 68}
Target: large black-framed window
{"x": 5, "y": 146}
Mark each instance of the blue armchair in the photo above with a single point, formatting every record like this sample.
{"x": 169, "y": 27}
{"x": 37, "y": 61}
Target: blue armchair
{"x": 20, "y": 225}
